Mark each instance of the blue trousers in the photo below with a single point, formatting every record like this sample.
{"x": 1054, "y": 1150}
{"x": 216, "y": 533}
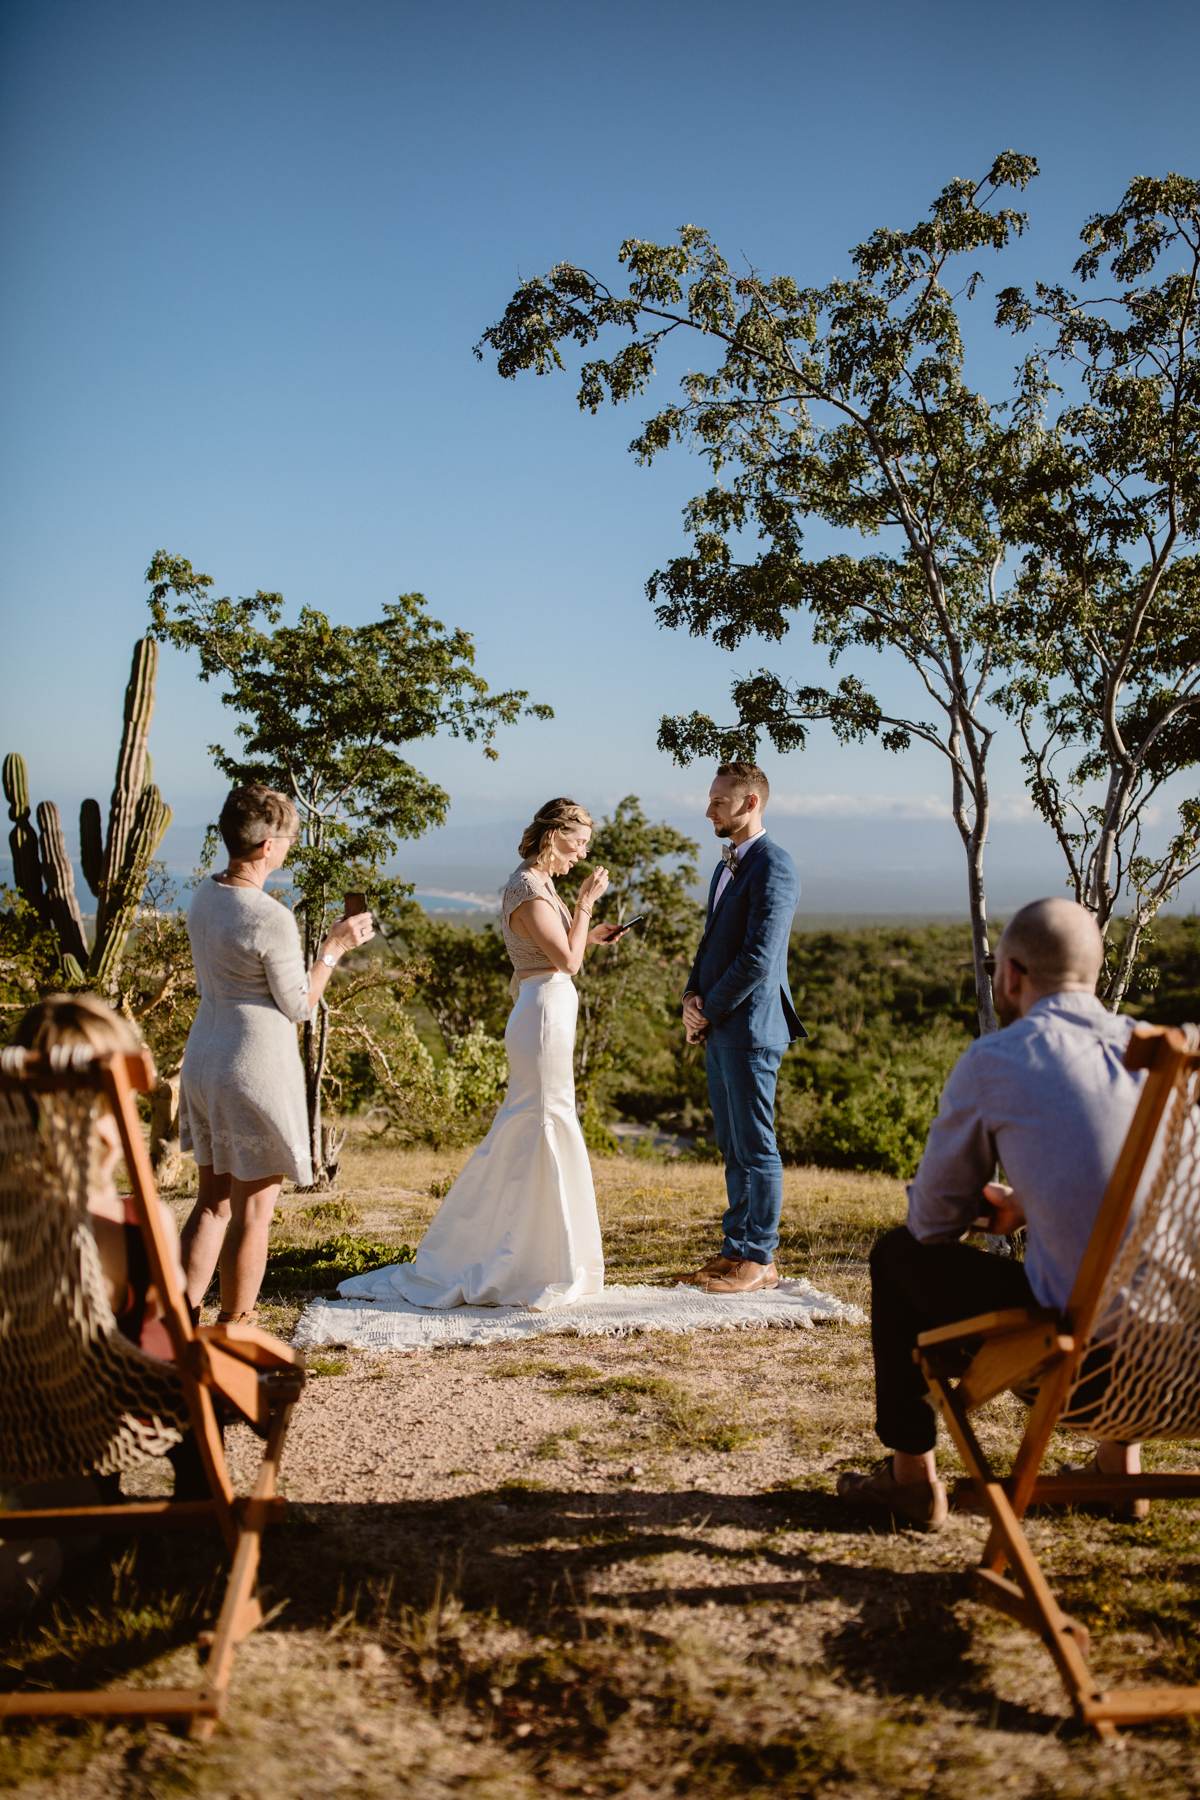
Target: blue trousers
{"x": 741, "y": 1091}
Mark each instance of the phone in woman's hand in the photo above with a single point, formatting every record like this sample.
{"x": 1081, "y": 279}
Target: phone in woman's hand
{"x": 620, "y": 930}
{"x": 357, "y": 903}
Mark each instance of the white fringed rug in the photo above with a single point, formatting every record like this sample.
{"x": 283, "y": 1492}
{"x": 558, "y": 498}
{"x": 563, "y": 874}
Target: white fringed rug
{"x": 617, "y": 1312}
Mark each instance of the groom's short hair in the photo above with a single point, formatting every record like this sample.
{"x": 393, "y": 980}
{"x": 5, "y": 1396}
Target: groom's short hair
{"x": 750, "y": 776}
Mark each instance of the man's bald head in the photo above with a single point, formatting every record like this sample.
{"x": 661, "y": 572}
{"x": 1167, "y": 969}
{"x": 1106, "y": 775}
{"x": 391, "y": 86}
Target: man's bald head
{"x": 1057, "y": 943}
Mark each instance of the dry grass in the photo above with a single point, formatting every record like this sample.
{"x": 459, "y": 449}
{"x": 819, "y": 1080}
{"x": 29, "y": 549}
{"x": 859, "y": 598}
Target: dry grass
{"x": 605, "y": 1566}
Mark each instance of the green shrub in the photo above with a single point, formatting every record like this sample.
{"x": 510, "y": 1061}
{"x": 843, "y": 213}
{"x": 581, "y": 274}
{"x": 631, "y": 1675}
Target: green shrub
{"x": 307, "y": 1268}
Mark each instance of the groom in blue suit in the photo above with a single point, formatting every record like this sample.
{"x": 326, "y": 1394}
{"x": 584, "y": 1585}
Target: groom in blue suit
{"x": 738, "y": 1004}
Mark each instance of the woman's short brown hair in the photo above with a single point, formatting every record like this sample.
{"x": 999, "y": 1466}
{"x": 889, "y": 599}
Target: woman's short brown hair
{"x": 252, "y": 814}
{"x": 80, "y": 1021}
{"x": 556, "y": 815}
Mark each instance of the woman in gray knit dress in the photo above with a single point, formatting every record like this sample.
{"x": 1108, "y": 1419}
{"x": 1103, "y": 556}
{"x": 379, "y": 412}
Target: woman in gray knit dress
{"x": 242, "y": 1104}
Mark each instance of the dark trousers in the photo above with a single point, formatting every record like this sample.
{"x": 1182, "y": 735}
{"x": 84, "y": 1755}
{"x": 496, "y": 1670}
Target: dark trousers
{"x": 741, "y": 1091}
{"x": 913, "y": 1288}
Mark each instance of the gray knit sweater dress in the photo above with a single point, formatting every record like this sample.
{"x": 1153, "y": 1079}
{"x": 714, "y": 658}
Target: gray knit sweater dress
{"x": 241, "y": 1104}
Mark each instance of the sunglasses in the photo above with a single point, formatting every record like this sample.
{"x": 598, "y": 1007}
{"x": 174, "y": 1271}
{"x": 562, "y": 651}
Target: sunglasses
{"x": 992, "y": 963}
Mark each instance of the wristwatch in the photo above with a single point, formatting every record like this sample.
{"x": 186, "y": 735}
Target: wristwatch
{"x": 331, "y": 962}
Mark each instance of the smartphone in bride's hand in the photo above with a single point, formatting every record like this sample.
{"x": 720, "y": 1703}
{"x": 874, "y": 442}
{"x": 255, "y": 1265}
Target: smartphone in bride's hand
{"x": 620, "y": 930}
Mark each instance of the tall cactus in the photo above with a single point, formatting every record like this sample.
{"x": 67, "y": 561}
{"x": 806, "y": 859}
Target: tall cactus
{"x": 22, "y": 839}
{"x": 150, "y": 821}
{"x": 91, "y": 845}
{"x": 130, "y": 780}
{"x": 58, "y": 879}
{"x": 114, "y": 867}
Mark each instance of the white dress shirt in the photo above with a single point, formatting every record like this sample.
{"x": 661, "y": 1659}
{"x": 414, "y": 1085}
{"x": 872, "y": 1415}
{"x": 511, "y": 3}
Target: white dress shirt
{"x": 727, "y": 873}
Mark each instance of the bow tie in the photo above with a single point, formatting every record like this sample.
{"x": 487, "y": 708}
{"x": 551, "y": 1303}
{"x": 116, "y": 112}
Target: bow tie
{"x": 729, "y": 857}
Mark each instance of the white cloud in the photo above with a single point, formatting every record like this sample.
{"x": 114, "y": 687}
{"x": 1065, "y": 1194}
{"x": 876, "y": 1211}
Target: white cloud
{"x": 1007, "y": 809}
{"x": 1013, "y": 809}
{"x": 859, "y": 806}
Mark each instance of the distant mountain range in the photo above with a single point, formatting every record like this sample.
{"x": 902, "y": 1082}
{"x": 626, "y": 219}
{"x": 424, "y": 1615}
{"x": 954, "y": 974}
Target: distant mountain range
{"x": 855, "y": 867}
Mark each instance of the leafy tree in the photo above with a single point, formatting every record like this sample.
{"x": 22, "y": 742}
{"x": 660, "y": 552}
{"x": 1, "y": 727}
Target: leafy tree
{"x": 30, "y": 958}
{"x": 629, "y": 995}
{"x": 326, "y": 713}
{"x": 416, "y": 1096}
{"x": 463, "y": 977}
{"x": 1104, "y": 619}
{"x": 845, "y": 403}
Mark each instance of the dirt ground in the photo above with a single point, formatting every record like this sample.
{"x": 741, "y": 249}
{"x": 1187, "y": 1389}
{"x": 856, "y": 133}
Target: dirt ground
{"x": 614, "y": 1566}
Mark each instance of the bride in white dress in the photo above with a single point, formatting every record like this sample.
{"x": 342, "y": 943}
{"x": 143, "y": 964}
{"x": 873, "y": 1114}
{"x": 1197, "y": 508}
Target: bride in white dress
{"x": 519, "y": 1226}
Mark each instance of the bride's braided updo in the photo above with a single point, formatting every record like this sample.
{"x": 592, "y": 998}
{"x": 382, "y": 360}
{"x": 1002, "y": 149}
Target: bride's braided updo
{"x": 556, "y": 815}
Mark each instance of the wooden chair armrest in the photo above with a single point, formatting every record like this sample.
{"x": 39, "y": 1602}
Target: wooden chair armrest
{"x": 254, "y": 1390}
{"x": 253, "y": 1345}
{"x": 990, "y": 1324}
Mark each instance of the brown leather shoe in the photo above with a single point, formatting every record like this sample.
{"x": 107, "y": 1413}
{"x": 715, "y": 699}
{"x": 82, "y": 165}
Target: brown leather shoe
{"x": 921, "y": 1504}
{"x": 716, "y": 1265}
{"x": 740, "y": 1278}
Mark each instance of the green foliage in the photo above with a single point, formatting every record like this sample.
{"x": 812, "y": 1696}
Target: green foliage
{"x": 1166, "y": 990}
{"x": 155, "y": 983}
{"x": 30, "y": 960}
{"x": 464, "y": 974}
{"x": 309, "y": 1268}
{"x": 845, "y": 403}
{"x": 326, "y": 713}
{"x": 891, "y": 1008}
{"x": 870, "y": 1108}
{"x": 472, "y": 1078}
{"x": 1102, "y": 628}
{"x": 629, "y": 995}
{"x": 417, "y": 1097}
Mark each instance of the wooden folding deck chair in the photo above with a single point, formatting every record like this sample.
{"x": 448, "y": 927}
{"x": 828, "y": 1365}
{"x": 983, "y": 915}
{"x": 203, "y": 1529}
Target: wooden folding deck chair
{"x": 77, "y": 1398}
{"x": 1122, "y": 1362}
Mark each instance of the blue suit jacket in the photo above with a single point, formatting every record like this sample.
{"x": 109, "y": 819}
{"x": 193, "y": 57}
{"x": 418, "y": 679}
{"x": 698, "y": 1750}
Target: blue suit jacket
{"x": 740, "y": 971}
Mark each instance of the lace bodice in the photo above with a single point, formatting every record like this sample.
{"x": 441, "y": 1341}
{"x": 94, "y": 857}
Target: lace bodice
{"x": 525, "y": 957}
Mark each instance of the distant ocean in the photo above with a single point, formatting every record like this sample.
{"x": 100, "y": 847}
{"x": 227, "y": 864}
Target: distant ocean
{"x": 457, "y": 903}
{"x": 431, "y": 900}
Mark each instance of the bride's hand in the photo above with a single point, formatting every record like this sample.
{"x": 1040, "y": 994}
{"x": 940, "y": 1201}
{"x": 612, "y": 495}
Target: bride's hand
{"x": 604, "y": 934}
{"x": 592, "y": 887}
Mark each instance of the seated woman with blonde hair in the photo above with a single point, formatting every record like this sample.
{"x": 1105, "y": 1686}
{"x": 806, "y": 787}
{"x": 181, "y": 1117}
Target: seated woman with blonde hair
{"x": 83, "y": 1021}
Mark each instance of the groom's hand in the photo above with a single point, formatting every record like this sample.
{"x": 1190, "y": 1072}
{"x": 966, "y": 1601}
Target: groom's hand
{"x": 695, "y": 1025}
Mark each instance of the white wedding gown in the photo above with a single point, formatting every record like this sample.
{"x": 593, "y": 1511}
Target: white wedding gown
{"x": 519, "y": 1226}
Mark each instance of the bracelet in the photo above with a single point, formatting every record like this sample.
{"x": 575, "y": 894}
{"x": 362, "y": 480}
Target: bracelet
{"x": 586, "y": 911}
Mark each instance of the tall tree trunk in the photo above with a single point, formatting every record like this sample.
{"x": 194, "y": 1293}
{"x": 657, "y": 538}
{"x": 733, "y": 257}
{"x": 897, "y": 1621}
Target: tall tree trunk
{"x": 316, "y": 1049}
{"x": 980, "y": 941}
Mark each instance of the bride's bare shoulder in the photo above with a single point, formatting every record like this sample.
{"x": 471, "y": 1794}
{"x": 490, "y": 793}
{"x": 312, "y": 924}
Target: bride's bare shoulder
{"x": 523, "y": 884}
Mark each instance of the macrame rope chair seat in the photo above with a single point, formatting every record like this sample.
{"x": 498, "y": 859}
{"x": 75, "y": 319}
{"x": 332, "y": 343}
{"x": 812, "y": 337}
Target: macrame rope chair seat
{"x": 78, "y": 1398}
{"x": 1146, "y": 1340}
{"x": 1121, "y": 1363}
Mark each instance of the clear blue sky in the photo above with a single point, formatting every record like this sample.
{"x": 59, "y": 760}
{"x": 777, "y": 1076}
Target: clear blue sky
{"x": 251, "y": 245}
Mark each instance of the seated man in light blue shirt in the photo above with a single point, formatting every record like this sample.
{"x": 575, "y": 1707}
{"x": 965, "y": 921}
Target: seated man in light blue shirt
{"x": 1048, "y": 1099}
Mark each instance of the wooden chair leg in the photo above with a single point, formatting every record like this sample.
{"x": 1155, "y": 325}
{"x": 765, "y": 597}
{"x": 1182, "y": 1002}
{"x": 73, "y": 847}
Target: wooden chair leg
{"x": 1029, "y": 1598}
{"x": 241, "y": 1611}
